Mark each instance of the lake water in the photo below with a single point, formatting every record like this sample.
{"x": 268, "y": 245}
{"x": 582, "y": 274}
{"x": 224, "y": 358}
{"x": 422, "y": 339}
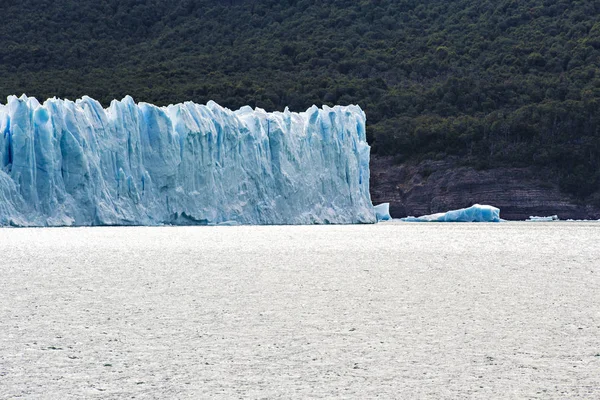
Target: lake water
{"x": 395, "y": 310}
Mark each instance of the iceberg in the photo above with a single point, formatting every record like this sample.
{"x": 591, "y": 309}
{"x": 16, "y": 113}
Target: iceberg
{"x": 382, "y": 212}
{"x": 475, "y": 213}
{"x": 65, "y": 163}
{"x": 543, "y": 219}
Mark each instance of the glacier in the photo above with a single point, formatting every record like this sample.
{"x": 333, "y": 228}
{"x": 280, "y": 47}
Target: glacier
{"x": 75, "y": 163}
{"x": 475, "y": 213}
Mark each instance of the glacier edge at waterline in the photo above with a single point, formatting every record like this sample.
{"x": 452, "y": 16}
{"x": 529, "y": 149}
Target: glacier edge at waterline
{"x": 66, "y": 163}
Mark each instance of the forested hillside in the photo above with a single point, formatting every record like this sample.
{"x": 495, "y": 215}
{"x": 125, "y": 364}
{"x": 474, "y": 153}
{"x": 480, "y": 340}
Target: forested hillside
{"x": 503, "y": 82}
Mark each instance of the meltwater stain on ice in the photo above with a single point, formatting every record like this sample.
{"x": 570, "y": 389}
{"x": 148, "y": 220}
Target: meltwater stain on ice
{"x": 76, "y": 163}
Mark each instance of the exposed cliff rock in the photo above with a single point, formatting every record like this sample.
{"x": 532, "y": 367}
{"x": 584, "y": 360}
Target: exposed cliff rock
{"x": 435, "y": 186}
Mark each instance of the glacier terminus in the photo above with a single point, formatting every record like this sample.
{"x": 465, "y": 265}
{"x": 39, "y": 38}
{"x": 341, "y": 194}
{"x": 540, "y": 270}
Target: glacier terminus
{"x": 75, "y": 163}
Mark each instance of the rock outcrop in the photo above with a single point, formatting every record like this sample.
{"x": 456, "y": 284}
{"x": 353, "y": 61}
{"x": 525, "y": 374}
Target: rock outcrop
{"x": 435, "y": 186}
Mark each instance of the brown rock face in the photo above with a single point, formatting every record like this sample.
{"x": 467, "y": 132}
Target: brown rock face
{"x": 437, "y": 186}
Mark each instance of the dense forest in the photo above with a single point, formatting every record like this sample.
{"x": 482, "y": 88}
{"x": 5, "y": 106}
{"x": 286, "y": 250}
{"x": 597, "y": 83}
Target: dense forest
{"x": 502, "y": 82}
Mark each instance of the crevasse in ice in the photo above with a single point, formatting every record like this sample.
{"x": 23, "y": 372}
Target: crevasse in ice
{"x": 475, "y": 213}
{"x": 76, "y": 163}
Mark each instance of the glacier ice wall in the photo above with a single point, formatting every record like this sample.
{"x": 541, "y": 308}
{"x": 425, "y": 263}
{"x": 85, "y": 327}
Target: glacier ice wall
{"x": 76, "y": 163}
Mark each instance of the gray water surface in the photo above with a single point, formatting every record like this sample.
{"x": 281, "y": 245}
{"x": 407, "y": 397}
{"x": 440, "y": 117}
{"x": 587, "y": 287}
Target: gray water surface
{"x": 405, "y": 311}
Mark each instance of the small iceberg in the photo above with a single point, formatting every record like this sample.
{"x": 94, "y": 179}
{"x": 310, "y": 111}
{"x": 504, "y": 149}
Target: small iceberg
{"x": 475, "y": 213}
{"x": 543, "y": 219}
{"x": 382, "y": 212}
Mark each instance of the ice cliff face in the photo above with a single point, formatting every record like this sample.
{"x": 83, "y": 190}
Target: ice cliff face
{"x": 76, "y": 163}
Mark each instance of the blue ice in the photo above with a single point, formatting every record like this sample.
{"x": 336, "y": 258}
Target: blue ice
{"x": 382, "y": 212}
{"x": 77, "y": 163}
{"x": 475, "y": 213}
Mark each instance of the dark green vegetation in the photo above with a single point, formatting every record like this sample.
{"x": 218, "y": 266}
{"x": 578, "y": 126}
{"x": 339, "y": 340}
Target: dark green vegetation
{"x": 501, "y": 82}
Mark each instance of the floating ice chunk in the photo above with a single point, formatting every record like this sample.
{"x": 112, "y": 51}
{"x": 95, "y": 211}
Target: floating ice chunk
{"x": 228, "y": 223}
{"x": 76, "y": 163}
{"x": 475, "y": 213}
{"x": 543, "y": 219}
{"x": 382, "y": 211}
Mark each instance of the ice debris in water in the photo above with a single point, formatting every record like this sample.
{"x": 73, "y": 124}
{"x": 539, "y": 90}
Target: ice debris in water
{"x": 475, "y": 213}
{"x": 382, "y": 212}
{"x": 543, "y": 219}
{"x": 76, "y": 163}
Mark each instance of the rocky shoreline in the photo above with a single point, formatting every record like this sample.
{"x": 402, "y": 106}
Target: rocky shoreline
{"x": 436, "y": 186}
